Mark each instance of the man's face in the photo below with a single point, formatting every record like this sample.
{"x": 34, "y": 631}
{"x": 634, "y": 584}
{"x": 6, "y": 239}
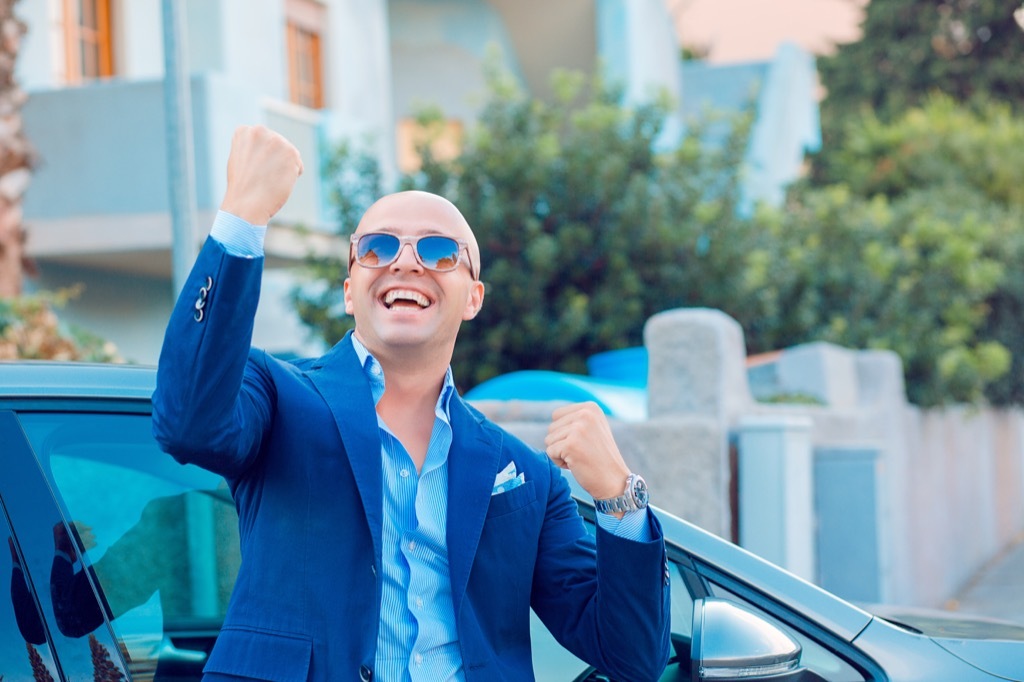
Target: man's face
{"x": 405, "y": 306}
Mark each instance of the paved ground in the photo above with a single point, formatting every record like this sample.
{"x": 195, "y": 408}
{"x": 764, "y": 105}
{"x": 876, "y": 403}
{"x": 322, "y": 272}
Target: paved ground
{"x": 998, "y": 589}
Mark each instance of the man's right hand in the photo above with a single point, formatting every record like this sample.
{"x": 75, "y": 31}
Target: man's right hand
{"x": 262, "y": 170}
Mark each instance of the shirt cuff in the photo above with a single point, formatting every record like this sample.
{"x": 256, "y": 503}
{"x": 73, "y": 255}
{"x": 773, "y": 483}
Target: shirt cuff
{"x": 632, "y": 526}
{"x": 238, "y": 237}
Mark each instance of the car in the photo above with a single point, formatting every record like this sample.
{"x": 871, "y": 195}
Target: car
{"x": 121, "y": 562}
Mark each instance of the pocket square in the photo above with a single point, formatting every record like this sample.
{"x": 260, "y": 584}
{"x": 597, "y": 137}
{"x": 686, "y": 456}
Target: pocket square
{"x": 507, "y": 479}
{"x": 508, "y": 485}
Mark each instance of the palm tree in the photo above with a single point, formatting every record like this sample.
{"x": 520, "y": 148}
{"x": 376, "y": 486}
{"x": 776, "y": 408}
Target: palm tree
{"x": 16, "y": 155}
{"x": 103, "y": 668}
{"x": 40, "y": 673}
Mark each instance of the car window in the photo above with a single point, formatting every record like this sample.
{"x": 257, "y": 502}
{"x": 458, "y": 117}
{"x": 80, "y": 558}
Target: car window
{"x": 553, "y": 663}
{"x": 814, "y": 656}
{"x": 159, "y": 539}
{"x": 25, "y": 652}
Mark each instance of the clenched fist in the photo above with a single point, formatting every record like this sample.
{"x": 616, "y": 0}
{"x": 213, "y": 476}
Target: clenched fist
{"x": 262, "y": 170}
{"x": 580, "y": 439}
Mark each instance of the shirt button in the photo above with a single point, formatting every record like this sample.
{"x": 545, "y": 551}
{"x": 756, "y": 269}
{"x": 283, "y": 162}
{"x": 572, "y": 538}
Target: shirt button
{"x": 419, "y": 602}
{"x": 404, "y": 473}
{"x": 419, "y": 659}
{"x": 412, "y": 545}
{"x": 375, "y": 369}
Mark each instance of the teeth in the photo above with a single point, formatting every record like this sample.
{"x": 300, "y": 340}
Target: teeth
{"x": 416, "y": 297}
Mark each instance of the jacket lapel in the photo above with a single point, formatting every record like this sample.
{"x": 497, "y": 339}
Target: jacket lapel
{"x": 339, "y": 379}
{"x": 472, "y": 465}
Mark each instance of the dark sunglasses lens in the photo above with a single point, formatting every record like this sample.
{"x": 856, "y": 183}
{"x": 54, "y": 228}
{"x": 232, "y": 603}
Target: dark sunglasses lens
{"x": 375, "y": 250}
{"x": 438, "y": 253}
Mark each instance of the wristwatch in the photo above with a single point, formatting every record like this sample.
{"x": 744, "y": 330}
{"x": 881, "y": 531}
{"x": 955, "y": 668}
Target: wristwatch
{"x": 635, "y": 497}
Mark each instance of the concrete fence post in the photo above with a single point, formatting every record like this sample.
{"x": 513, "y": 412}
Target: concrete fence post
{"x": 776, "y": 491}
{"x": 696, "y": 364}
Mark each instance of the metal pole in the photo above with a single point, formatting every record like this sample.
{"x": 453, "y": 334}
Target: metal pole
{"x": 180, "y": 162}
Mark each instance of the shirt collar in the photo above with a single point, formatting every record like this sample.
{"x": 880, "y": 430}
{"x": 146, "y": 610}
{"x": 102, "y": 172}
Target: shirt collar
{"x": 375, "y": 374}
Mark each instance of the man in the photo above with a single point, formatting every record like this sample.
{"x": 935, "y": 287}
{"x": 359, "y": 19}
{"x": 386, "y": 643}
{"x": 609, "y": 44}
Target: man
{"x": 389, "y": 531}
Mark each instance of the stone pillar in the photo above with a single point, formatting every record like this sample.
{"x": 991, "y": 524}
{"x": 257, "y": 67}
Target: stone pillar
{"x": 776, "y": 491}
{"x": 696, "y": 364}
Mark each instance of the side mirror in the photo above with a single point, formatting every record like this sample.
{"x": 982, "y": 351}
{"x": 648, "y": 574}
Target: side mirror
{"x": 731, "y": 642}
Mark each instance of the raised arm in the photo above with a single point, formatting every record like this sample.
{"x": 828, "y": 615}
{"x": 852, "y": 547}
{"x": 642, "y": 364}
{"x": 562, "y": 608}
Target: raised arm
{"x": 208, "y": 408}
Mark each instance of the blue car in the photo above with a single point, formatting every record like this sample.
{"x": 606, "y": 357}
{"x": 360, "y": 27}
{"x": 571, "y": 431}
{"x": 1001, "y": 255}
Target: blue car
{"x": 121, "y": 561}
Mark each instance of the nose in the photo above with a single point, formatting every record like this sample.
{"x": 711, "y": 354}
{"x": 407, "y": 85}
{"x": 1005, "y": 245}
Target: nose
{"x": 406, "y": 258}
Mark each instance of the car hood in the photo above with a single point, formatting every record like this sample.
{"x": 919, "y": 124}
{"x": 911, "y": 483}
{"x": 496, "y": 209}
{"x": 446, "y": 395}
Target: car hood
{"x": 994, "y": 646}
{"x": 1003, "y": 658}
{"x": 949, "y": 624}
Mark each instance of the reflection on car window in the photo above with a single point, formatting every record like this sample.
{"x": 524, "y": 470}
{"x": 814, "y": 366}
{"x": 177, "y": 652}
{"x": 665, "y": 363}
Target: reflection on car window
{"x": 814, "y": 656}
{"x": 160, "y": 539}
{"x": 24, "y": 648}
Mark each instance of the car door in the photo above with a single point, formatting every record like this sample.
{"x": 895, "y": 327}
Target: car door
{"x": 57, "y": 625}
{"x": 25, "y": 648}
{"x": 157, "y": 541}
{"x": 553, "y": 663}
{"x": 829, "y": 658}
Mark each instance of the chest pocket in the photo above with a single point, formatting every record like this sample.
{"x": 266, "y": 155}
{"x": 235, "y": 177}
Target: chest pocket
{"x": 512, "y": 500}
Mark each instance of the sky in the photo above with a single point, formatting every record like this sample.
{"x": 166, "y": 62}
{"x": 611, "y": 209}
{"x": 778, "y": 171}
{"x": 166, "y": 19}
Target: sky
{"x": 750, "y": 30}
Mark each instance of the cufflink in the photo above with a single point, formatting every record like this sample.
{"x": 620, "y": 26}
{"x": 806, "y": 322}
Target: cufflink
{"x": 200, "y": 304}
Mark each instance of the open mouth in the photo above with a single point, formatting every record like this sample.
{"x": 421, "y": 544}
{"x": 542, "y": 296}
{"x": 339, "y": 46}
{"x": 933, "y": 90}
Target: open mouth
{"x": 404, "y": 298}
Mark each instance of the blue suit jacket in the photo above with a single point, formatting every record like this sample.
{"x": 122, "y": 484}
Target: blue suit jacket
{"x": 298, "y": 444}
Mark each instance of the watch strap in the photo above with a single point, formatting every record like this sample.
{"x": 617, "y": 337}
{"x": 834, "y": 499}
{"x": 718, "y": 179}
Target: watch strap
{"x": 629, "y": 500}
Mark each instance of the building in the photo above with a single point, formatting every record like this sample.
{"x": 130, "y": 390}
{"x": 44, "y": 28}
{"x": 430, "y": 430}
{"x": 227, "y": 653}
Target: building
{"x": 97, "y": 212}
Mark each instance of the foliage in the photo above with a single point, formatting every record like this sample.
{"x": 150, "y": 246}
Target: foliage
{"x": 918, "y": 251}
{"x": 30, "y": 330}
{"x": 938, "y": 144}
{"x": 353, "y": 181}
{"x": 585, "y": 231}
{"x": 913, "y": 275}
{"x": 911, "y": 49}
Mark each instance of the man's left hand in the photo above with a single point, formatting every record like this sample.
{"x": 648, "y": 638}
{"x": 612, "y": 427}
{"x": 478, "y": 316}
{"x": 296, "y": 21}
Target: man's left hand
{"x": 580, "y": 439}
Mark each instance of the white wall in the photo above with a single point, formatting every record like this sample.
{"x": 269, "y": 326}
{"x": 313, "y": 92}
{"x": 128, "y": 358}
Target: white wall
{"x": 36, "y": 61}
{"x": 438, "y": 53}
{"x": 358, "y": 67}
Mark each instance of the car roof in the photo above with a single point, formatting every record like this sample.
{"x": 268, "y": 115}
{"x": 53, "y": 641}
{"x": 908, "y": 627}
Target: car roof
{"x": 45, "y": 379}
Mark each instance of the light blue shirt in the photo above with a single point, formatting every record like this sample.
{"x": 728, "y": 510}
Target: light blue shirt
{"x": 417, "y": 638}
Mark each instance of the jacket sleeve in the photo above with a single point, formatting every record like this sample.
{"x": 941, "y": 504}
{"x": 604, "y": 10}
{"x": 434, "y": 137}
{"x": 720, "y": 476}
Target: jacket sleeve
{"x": 617, "y": 617}
{"x": 213, "y": 400}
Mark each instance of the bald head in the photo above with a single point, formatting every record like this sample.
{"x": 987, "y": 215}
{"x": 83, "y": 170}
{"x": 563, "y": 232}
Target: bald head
{"x": 416, "y": 212}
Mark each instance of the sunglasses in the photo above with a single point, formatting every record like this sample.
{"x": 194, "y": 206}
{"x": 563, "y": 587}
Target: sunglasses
{"x": 434, "y": 252}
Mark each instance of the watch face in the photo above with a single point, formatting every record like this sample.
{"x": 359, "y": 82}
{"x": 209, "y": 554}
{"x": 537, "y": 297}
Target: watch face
{"x": 640, "y": 492}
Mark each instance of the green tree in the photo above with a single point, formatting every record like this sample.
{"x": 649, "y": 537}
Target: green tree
{"x": 585, "y": 230}
{"x": 353, "y": 182}
{"x": 912, "y": 48}
{"x": 917, "y": 251}
{"x": 913, "y": 275}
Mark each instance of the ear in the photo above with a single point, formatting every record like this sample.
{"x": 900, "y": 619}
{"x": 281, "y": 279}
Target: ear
{"x": 349, "y": 307}
{"x": 474, "y": 301}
